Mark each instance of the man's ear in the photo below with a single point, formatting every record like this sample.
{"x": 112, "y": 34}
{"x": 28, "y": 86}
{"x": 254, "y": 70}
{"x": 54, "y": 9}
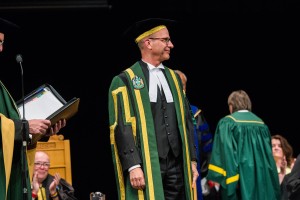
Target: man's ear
{"x": 148, "y": 44}
{"x": 230, "y": 109}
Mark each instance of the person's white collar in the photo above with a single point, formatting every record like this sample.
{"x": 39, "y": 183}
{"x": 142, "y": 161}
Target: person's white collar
{"x": 157, "y": 78}
{"x": 243, "y": 110}
{"x": 150, "y": 66}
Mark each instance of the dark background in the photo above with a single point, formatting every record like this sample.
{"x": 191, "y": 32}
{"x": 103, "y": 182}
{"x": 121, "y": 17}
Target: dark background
{"x": 77, "y": 47}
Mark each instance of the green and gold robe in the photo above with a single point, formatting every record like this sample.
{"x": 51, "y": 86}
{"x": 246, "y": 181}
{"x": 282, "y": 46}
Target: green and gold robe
{"x": 242, "y": 158}
{"x": 11, "y": 151}
{"x": 130, "y": 110}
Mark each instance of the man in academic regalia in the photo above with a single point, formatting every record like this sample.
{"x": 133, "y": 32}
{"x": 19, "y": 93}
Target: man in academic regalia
{"x": 151, "y": 128}
{"x": 242, "y": 160}
{"x": 14, "y": 133}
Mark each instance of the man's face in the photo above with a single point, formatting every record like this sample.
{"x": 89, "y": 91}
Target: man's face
{"x": 41, "y": 166}
{"x": 161, "y": 45}
{"x": 1, "y": 41}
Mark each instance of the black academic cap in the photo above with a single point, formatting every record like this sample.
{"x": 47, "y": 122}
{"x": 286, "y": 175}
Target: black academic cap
{"x": 146, "y": 27}
{"x": 7, "y": 26}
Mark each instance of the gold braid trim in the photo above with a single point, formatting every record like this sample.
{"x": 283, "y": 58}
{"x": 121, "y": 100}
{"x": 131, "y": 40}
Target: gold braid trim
{"x": 150, "y": 32}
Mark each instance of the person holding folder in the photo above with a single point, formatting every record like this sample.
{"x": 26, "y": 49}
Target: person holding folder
{"x": 15, "y": 160}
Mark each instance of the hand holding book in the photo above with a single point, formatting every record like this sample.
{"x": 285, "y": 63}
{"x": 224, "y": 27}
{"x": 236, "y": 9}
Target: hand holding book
{"x": 46, "y": 103}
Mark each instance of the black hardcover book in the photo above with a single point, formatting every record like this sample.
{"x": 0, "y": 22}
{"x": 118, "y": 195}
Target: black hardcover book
{"x": 46, "y": 103}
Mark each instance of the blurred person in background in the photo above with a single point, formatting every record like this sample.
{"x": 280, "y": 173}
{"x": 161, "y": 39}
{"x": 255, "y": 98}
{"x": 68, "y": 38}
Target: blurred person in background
{"x": 283, "y": 155}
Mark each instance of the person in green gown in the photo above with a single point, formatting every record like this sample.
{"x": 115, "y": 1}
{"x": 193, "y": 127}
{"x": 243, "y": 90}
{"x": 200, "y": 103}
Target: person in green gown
{"x": 242, "y": 160}
{"x": 16, "y": 162}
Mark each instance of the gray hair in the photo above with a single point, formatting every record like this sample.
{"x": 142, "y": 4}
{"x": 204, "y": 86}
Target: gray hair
{"x": 239, "y": 100}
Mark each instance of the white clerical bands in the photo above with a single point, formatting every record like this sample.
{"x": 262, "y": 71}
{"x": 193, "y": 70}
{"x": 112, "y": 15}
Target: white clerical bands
{"x": 157, "y": 78}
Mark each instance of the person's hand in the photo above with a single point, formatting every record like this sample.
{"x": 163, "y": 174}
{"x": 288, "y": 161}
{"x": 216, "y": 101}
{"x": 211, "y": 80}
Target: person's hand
{"x": 54, "y": 184}
{"x": 56, "y": 127}
{"x": 35, "y": 183}
{"x": 283, "y": 165}
{"x": 137, "y": 178}
{"x": 293, "y": 163}
{"x": 282, "y": 172}
{"x": 39, "y": 126}
{"x": 195, "y": 173}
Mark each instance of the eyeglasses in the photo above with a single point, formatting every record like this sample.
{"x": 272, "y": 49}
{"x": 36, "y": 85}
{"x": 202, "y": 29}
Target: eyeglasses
{"x": 39, "y": 164}
{"x": 1, "y": 42}
{"x": 165, "y": 40}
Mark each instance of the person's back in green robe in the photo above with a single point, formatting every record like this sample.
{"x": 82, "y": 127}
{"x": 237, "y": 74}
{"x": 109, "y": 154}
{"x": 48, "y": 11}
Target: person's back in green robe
{"x": 242, "y": 160}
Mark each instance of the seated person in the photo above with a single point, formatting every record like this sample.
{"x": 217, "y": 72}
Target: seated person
{"x": 46, "y": 186}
